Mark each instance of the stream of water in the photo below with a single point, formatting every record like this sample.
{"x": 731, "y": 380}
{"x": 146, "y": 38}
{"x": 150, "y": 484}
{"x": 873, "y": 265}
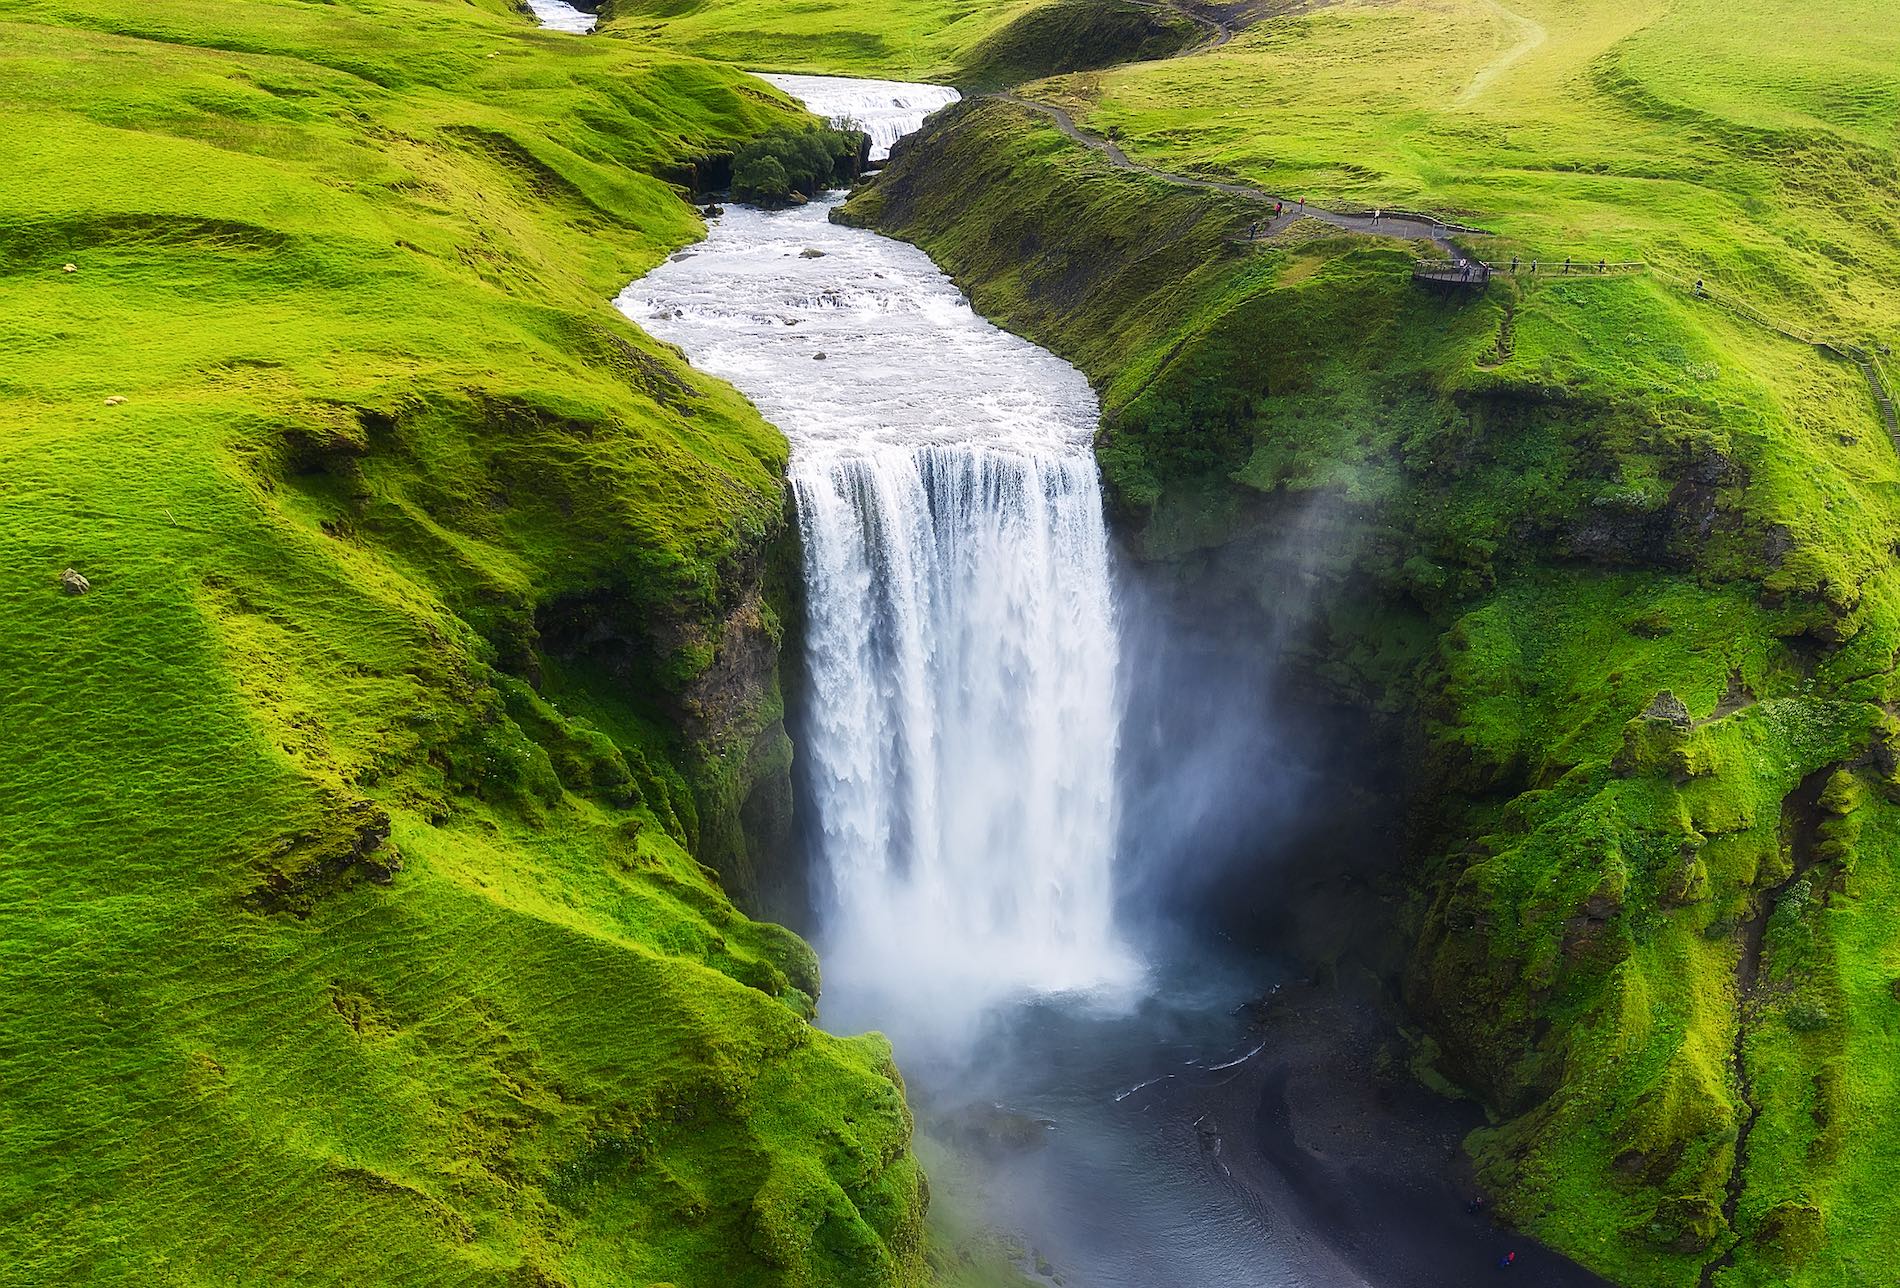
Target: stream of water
{"x": 961, "y": 645}
{"x": 557, "y": 15}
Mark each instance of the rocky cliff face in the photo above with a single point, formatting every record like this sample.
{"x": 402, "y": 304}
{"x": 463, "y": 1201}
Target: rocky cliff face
{"x": 718, "y": 682}
{"x": 1623, "y": 690}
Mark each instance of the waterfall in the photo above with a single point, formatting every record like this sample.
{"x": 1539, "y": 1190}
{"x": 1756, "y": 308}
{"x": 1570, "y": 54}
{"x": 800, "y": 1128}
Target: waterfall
{"x": 961, "y": 713}
{"x": 885, "y": 110}
{"x": 558, "y": 15}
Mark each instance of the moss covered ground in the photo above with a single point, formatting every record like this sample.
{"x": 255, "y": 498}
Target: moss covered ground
{"x": 1616, "y": 560}
{"x": 970, "y": 43}
{"x": 924, "y": 40}
{"x": 352, "y": 918}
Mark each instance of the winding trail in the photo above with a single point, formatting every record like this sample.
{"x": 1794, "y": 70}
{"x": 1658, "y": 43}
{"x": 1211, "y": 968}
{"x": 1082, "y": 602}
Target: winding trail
{"x": 1402, "y": 225}
{"x": 1405, "y": 226}
{"x": 1530, "y": 34}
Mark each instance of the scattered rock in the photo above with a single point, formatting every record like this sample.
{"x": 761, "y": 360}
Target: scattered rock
{"x": 1688, "y": 881}
{"x": 1666, "y": 706}
{"x": 73, "y": 584}
{"x": 789, "y": 321}
{"x": 817, "y": 357}
{"x": 1792, "y": 1232}
{"x": 995, "y": 1131}
{"x": 1650, "y": 625}
{"x": 69, "y": 268}
{"x": 811, "y": 252}
{"x": 713, "y": 212}
{"x": 115, "y": 400}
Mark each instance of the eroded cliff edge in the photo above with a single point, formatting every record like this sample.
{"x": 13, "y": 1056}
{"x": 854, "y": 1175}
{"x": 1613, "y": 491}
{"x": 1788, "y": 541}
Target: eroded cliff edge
{"x": 1628, "y": 617}
{"x": 379, "y": 783}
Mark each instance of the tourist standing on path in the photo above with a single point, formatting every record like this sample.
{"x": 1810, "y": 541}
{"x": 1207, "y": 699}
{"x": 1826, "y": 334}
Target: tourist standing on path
{"x": 1376, "y": 212}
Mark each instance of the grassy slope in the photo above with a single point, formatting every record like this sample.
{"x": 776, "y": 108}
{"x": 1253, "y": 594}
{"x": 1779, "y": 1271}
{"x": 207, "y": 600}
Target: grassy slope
{"x": 965, "y": 42}
{"x": 347, "y": 265}
{"x": 1734, "y": 143}
{"x": 1544, "y": 507}
{"x": 906, "y": 39}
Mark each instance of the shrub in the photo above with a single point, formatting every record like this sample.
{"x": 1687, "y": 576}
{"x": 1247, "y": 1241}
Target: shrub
{"x": 761, "y": 178}
{"x": 780, "y": 162}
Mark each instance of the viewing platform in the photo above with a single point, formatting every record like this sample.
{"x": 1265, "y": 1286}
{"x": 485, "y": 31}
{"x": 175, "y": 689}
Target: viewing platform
{"x": 1477, "y": 273}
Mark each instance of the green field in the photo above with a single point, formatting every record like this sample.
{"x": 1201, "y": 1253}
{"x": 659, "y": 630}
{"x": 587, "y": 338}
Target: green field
{"x": 971, "y": 43}
{"x": 334, "y": 951}
{"x": 1729, "y": 142}
{"x": 924, "y": 40}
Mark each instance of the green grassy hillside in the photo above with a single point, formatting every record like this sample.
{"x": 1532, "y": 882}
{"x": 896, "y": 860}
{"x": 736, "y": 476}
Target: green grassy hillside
{"x": 965, "y": 42}
{"x": 351, "y": 915}
{"x": 908, "y": 39}
{"x": 1616, "y": 561}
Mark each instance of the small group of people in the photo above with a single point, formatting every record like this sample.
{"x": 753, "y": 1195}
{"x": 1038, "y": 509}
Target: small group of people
{"x": 1279, "y": 212}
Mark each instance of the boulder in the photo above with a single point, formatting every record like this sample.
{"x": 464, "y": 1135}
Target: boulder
{"x": 1686, "y": 1223}
{"x": 73, "y": 584}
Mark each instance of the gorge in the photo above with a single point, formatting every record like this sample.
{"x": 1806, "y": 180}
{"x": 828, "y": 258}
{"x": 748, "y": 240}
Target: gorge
{"x": 1071, "y": 715}
{"x": 980, "y": 893}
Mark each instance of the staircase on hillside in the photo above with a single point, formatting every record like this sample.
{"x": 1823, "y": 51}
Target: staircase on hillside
{"x": 1881, "y": 399}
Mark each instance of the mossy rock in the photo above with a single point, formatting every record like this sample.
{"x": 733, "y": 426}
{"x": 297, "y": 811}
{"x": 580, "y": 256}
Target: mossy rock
{"x": 1791, "y": 1232}
{"x": 1656, "y": 740}
{"x": 1685, "y": 1223}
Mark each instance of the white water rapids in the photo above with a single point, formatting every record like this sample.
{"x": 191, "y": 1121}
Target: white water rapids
{"x": 556, "y": 15}
{"x": 961, "y": 714}
{"x": 885, "y": 110}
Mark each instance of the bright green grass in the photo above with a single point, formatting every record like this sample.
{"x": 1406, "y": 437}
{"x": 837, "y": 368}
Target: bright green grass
{"x": 922, "y": 40}
{"x": 1742, "y": 143}
{"x": 348, "y": 267}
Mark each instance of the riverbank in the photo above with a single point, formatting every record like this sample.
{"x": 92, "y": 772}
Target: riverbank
{"x": 1566, "y": 585}
{"x": 359, "y": 784}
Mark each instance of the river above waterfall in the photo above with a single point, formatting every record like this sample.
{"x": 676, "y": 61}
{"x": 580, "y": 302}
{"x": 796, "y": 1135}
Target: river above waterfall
{"x": 885, "y": 110}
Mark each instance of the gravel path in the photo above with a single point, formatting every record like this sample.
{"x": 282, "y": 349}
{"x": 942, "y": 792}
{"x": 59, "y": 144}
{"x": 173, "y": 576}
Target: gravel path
{"x": 1406, "y": 227}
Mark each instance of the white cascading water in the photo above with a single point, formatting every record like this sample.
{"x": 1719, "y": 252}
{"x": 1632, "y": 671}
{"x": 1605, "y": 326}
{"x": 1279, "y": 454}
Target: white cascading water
{"x": 556, "y": 15}
{"x": 961, "y": 715}
{"x": 885, "y": 110}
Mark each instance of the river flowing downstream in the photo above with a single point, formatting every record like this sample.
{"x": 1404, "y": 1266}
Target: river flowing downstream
{"x": 961, "y": 644}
